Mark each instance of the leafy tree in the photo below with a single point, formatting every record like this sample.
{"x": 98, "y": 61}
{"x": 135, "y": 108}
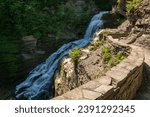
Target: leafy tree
{"x": 19, "y": 18}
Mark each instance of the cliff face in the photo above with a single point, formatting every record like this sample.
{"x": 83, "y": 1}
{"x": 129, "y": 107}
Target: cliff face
{"x": 140, "y": 16}
{"x": 139, "y": 19}
{"x": 139, "y": 25}
{"x": 136, "y": 29}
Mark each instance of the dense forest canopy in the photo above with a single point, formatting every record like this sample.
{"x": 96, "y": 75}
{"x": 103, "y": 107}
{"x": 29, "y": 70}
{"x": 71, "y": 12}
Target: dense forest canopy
{"x": 24, "y": 17}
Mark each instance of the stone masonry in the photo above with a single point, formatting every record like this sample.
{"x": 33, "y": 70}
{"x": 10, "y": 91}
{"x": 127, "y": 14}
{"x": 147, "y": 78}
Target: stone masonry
{"x": 121, "y": 82}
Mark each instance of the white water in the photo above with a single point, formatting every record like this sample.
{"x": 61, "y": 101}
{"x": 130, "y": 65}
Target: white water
{"x": 39, "y": 82}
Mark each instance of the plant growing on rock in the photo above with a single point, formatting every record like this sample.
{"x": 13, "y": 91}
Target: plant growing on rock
{"x": 110, "y": 58}
{"x": 96, "y": 44}
{"x": 75, "y": 55}
{"x": 132, "y": 4}
{"x": 106, "y": 53}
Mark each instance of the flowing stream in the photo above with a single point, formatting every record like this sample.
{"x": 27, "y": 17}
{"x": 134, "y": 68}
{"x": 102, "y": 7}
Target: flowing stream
{"x": 39, "y": 83}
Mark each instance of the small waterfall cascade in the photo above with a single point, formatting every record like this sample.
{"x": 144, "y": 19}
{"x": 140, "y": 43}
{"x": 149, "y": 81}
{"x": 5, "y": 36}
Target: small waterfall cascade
{"x": 39, "y": 83}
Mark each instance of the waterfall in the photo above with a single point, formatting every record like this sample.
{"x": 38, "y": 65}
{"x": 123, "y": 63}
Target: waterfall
{"x": 39, "y": 82}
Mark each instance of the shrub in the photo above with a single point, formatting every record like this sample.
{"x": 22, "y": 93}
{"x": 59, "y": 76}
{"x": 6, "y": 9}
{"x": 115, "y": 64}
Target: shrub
{"x": 75, "y": 54}
{"x": 96, "y": 44}
{"x": 110, "y": 58}
{"x": 132, "y": 4}
{"x": 106, "y": 53}
{"x": 105, "y": 49}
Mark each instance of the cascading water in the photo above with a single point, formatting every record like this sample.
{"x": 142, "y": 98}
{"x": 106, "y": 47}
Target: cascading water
{"x": 39, "y": 83}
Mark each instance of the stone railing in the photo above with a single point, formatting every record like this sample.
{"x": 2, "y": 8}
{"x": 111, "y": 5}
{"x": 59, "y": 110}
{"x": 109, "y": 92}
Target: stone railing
{"x": 121, "y": 82}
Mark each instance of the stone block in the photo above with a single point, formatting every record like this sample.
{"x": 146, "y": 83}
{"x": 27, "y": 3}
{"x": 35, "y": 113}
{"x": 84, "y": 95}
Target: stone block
{"x": 122, "y": 65}
{"x": 91, "y": 85}
{"x": 104, "y": 80}
{"x": 134, "y": 54}
{"x": 131, "y": 59}
{"x": 105, "y": 90}
{"x": 117, "y": 76}
{"x": 93, "y": 95}
{"x": 123, "y": 70}
{"x": 75, "y": 94}
{"x": 131, "y": 67}
{"x": 139, "y": 62}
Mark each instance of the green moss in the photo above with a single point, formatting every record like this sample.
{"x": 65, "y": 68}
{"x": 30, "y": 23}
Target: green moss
{"x": 75, "y": 54}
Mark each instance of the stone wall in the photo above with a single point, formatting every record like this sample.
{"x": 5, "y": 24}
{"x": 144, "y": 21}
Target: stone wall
{"x": 121, "y": 82}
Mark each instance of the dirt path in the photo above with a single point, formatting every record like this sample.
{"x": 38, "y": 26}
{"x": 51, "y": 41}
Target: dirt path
{"x": 144, "y": 91}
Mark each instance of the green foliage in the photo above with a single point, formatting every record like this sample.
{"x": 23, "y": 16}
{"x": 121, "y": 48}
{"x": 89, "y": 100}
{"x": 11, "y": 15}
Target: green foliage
{"x": 118, "y": 1}
{"x": 39, "y": 17}
{"x": 96, "y": 44}
{"x": 132, "y": 4}
{"x": 106, "y": 53}
{"x": 100, "y": 41}
{"x": 105, "y": 49}
{"x": 75, "y": 54}
{"x": 28, "y": 17}
{"x": 120, "y": 56}
{"x": 20, "y": 18}
{"x": 111, "y": 58}
{"x": 8, "y": 59}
